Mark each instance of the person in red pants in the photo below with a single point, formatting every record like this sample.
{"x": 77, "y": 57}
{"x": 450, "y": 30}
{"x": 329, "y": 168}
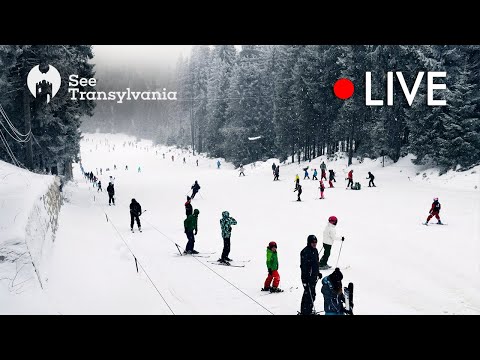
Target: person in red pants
{"x": 435, "y": 211}
{"x": 272, "y": 266}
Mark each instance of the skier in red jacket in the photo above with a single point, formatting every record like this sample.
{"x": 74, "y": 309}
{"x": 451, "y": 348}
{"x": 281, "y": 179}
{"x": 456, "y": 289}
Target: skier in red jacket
{"x": 350, "y": 179}
{"x": 435, "y": 211}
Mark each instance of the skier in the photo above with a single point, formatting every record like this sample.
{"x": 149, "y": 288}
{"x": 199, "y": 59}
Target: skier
{"x": 99, "y": 186}
{"x": 197, "y": 162}
{"x": 329, "y": 235}
{"x": 114, "y": 167}
{"x": 371, "y": 177}
{"x": 188, "y": 206}
{"x": 226, "y": 223}
{"x": 100, "y": 171}
{"x": 241, "y": 171}
{"x": 190, "y": 225}
{"x": 299, "y": 188}
{"x": 138, "y": 170}
{"x": 314, "y": 177}
{"x": 350, "y": 179}
{"x": 111, "y": 194}
{"x": 173, "y": 159}
{"x": 218, "y": 164}
{"x": 274, "y": 167}
{"x": 331, "y": 177}
{"x": 96, "y": 169}
{"x": 135, "y": 212}
{"x": 323, "y": 167}
{"x": 272, "y": 267}
{"x": 184, "y": 161}
{"x": 297, "y": 181}
{"x": 310, "y": 274}
{"x": 435, "y": 211}
{"x": 277, "y": 173}
{"x": 322, "y": 189}
{"x": 306, "y": 174}
{"x": 333, "y": 297}
{"x": 195, "y": 187}
{"x": 164, "y": 155}
{"x": 126, "y": 167}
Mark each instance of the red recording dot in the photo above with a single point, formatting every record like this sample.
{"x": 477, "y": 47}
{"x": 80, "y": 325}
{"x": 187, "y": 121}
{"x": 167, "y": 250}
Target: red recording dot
{"x": 343, "y": 88}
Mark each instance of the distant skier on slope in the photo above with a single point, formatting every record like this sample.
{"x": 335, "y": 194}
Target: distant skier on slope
{"x": 218, "y": 164}
{"x": 277, "y": 173}
{"x": 435, "y": 211}
{"x": 314, "y": 177}
{"x": 329, "y": 236}
{"x": 188, "y": 206}
{"x": 241, "y": 171}
{"x": 184, "y": 161}
{"x": 305, "y": 176}
{"x": 331, "y": 177}
{"x": 99, "y": 186}
{"x": 297, "y": 181}
{"x": 371, "y": 177}
{"x": 195, "y": 187}
{"x": 299, "y": 189}
{"x": 333, "y": 297}
{"x": 323, "y": 168}
{"x": 226, "y": 223}
{"x": 272, "y": 267}
{"x": 310, "y": 274}
{"x": 111, "y": 194}
{"x": 274, "y": 167}
{"x": 350, "y": 179}
{"x": 139, "y": 169}
{"x": 173, "y": 158}
{"x": 322, "y": 189}
{"x": 191, "y": 228}
{"x": 197, "y": 162}
{"x": 135, "y": 212}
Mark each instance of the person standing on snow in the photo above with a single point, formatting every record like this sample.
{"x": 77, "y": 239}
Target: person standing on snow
{"x": 305, "y": 176}
{"x": 350, "y": 179}
{"x": 99, "y": 186}
{"x": 197, "y": 162}
{"x": 190, "y": 224}
{"x": 297, "y": 181}
{"x": 218, "y": 164}
{"x": 277, "y": 173}
{"x": 274, "y": 167}
{"x": 329, "y": 236}
{"x": 331, "y": 177}
{"x": 188, "y": 206}
{"x": 111, "y": 194}
{"x": 435, "y": 211}
{"x": 323, "y": 167}
{"x": 333, "y": 297}
{"x": 314, "y": 177}
{"x": 310, "y": 274}
{"x": 173, "y": 159}
{"x": 135, "y": 212}
{"x": 241, "y": 171}
{"x": 299, "y": 189}
{"x": 195, "y": 187}
{"x": 322, "y": 189}
{"x": 371, "y": 177}
{"x": 184, "y": 161}
{"x": 226, "y": 223}
{"x": 272, "y": 267}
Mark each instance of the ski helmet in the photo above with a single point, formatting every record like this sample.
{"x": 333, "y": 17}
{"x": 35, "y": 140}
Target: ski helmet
{"x": 333, "y": 220}
{"x": 311, "y": 239}
{"x": 272, "y": 244}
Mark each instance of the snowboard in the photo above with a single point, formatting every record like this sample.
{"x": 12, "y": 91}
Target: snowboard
{"x": 348, "y": 293}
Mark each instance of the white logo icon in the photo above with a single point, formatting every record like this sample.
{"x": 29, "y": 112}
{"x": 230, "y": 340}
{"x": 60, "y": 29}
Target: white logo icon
{"x": 47, "y": 83}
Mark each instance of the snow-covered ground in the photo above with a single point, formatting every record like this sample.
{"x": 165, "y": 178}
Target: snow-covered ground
{"x": 398, "y": 265}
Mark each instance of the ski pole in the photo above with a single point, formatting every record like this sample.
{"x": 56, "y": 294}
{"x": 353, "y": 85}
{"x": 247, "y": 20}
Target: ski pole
{"x": 311, "y": 298}
{"x": 339, "y": 253}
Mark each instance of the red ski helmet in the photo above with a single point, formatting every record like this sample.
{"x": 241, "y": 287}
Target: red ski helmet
{"x": 333, "y": 220}
{"x": 272, "y": 244}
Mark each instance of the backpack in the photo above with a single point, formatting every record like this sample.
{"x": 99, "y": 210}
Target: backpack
{"x": 356, "y": 186}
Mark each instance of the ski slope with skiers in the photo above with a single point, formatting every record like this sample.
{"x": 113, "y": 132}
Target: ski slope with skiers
{"x": 278, "y": 233}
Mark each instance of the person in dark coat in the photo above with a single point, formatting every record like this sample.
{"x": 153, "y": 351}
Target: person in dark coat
{"x": 195, "y": 188}
{"x": 188, "y": 206}
{"x": 277, "y": 173}
{"x": 274, "y": 167}
{"x": 371, "y": 177}
{"x": 135, "y": 212}
{"x": 331, "y": 177}
{"x": 111, "y": 194}
{"x": 310, "y": 274}
{"x": 299, "y": 189}
{"x": 333, "y": 297}
{"x": 190, "y": 225}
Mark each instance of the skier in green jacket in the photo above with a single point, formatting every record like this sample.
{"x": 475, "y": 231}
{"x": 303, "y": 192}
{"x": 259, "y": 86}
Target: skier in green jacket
{"x": 190, "y": 225}
{"x": 272, "y": 266}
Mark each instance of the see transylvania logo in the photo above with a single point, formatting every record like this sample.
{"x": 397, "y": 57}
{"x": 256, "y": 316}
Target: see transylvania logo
{"x": 44, "y": 83}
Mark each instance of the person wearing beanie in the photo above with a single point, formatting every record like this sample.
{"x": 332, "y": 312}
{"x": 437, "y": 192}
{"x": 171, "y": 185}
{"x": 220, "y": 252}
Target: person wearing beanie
{"x": 188, "y": 206}
{"x": 329, "y": 236}
{"x": 310, "y": 274}
{"x": 333, "y": 297}
{"x": 272, "y": 267}
{"x": 191, "y": 228}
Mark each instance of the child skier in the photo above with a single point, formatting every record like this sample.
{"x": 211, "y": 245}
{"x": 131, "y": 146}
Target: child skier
{"x": 297, "y": 181}
{"x": 299, "y": 189}
{"x": 371, "y": 177}
{"x": 435, "y": 211}
{"x": 195, "y": 187}
{"x": 306, "y": 174}
{"x": 272, "y": 267}
{"x": 188, "y": 206}
{"x": 190, "y": 224}
{"x": 322, "y": 189}
{"x": 331, "y": 177}
{"x": 99, "y": 186}
{"x": 323, "y": 167}
{"x": 314, "y": 177}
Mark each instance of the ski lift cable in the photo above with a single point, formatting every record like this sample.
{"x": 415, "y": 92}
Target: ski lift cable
{"x": 14, "y": 136}
{"x": 9, "y": 122}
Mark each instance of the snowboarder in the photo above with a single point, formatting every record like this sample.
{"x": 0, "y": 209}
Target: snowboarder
{"x": 435, "y": 211}
{"x": 331, "y": 177}
{"x": 323, "y": 167}
{"x": 184, "y": 161}
{"x": 139, "y": 170}
{"x": 99, "y": 186}
{"x": 314, "y": 177}
{"x": 350, "y": 179}
{"x": 329, "y": 236}
{"x": 310, "y": 274}
{"x": 322, "y": 189}
{"x": 272, "y": 267}
{"x": 188, "y": 206}
{"x": 241, "y": 171}
{"x": 299, "y": 189}
{"x": 226, "y": 223}
{"x": 111, "y": 194}
{"x": 274, "y": 167}
{"x": 371, "y": 177}
{"x": 191, "y": 229}
{"x": 297, "y": 181}
{"x": 218, "y": 164}
{"x": 277, "y": 173}
{"x": 333, "y": 297}
{"x": 195, "y": 187}
{"x": 135, "y": 212}
{"x": 305, "y": 176}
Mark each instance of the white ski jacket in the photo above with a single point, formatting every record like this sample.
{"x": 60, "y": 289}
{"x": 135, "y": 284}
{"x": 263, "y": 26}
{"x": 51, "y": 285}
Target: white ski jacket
{"x": 330, "y": 234}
